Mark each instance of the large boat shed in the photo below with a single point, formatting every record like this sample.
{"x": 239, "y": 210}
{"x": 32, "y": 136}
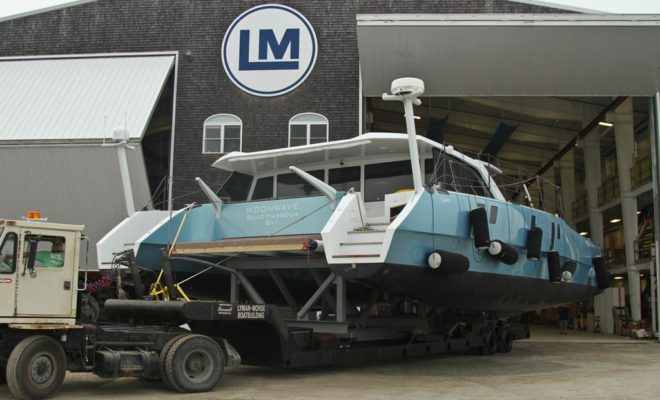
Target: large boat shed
{"x": 571, "y": 98}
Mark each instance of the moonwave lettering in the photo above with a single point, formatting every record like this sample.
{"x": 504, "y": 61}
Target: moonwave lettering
{"x": 271, "y": 213}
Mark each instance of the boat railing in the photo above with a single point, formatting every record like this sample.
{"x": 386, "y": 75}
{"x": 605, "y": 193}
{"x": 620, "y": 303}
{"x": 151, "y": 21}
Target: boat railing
{"x": 543, "y": 193}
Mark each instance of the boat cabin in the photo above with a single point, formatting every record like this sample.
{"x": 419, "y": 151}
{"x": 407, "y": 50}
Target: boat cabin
{"x": 374, "y": 164}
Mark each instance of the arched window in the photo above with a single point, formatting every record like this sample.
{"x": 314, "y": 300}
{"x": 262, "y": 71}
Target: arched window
{"x": 222, "y": 134}
{"x": 307, "y": 128}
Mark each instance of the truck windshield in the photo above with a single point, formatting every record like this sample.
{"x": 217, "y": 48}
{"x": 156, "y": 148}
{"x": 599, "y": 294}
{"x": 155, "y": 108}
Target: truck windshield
{"x": 236, "y": 187}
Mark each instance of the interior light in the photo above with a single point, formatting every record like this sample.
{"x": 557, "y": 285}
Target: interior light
{"x": 585, "y": 233}
{"x": 615, "y": 220}
{"x": 638, "y": 212}
{"x": 604, "y": 123}
{"x": 618, "y": 278}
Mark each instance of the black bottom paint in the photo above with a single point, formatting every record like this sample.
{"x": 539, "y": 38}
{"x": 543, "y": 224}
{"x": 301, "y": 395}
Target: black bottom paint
{"x": 474, "y": 291}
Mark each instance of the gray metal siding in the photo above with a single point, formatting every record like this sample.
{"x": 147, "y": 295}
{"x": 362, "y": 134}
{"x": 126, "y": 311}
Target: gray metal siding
{"x": 69, "y": 184}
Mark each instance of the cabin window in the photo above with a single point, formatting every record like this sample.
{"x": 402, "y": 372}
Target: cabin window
{"x": 222, "y": 134}
{"x": 344, "y": 178}
{"x": 455, "y": 175}
{"x": 308, "y": 128}
{"x": 263, "y": 189}
{"x": 50, "y": 250}
{"x": 381, "y": 179}
{"x": 291, "y": 185}
{"x": 8, "y": 254}
{"x": 236, "y": 188}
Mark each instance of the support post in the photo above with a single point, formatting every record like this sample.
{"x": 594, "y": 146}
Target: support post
{"x": 233, "y": 290}
{"x": 341, "y": 299}
{"x": 283, "y": 289}
{"x": 315, "y": 297}
{"x": 567, "y": 179}
{"x": 328, "y": 299}
{"x": 624, "y": 135}
{"x": 251, "y": 291}
{"x": 125, "y": 179}
{"x": 655, "y": 153}
{"x": 592, "y": 170}
{"x": 169, "y": 280}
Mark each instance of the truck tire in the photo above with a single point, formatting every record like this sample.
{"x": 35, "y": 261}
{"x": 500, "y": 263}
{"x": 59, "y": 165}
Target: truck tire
{"x": 489, "y": 346}
{"x": 194, "y": 363}
{"x": 505, "y": 344}
{"x": 163, "y": 359}
{"x": 36, "y": 368}
{"x": 3, "y": 375}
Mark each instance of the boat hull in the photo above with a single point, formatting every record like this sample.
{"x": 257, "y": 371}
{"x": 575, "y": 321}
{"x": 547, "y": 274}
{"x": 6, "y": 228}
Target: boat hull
{"x": 473, "y": 291}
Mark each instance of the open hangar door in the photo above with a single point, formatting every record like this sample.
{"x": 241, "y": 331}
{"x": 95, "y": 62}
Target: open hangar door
{"x": 565, "y": 104}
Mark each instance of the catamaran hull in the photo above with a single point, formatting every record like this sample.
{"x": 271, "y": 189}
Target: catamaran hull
{"x": 473, "y": 291}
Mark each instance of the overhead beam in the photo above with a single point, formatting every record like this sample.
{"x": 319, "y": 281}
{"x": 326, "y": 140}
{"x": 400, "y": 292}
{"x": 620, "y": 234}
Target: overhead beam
{"x": 525, "y": 132}
{"x": 547, "y": 108}
{"x": 396, "y": 124}
{"x": 588, "y": 128}
{"x": 475, "y": 144}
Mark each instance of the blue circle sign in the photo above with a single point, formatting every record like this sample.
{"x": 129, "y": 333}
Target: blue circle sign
{"x": 269, "y": 50}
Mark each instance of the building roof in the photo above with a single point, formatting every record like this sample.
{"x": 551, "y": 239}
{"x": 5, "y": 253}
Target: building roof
{"x": 16, "y": 10}
{"x": 79, "y": 98}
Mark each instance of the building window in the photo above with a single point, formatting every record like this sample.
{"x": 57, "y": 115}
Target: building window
{"x": 222, "y": 134}
{"x": 308, "y": 128}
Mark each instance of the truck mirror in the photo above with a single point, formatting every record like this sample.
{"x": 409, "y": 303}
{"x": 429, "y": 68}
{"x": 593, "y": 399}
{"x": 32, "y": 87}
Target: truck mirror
{"x": 32, "y": 253}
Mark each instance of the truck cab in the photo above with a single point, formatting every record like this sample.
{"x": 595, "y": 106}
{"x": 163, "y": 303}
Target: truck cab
{"x": 38, "y": 273}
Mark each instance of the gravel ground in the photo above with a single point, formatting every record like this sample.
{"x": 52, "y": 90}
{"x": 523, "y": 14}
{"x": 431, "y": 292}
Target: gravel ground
{"x": 543, "y": 369}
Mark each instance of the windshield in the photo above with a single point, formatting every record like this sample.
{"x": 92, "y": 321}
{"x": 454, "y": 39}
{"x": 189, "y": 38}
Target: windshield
{"x": 236, "y": 187}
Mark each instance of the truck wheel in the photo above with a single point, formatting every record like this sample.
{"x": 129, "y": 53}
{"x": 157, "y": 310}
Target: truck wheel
{"x": 194, "y": 363}
{"x": 506, "y": 343}
{"x": 163, "y": 359}
{"x": 490, "y": 343}
{"x": 36, "y": 368}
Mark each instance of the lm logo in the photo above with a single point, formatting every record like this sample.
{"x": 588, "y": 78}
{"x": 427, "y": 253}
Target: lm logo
{"x": 269, "y": 50}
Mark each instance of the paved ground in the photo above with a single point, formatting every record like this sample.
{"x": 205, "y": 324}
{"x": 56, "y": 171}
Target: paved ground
{"x": 550, "y": 366}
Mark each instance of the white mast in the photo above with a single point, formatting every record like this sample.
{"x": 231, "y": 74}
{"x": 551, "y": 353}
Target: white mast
{"x": 408, "y": 90}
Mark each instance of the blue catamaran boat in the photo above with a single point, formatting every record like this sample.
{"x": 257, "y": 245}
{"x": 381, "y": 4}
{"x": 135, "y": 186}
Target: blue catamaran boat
{"x": 386, "y": 218}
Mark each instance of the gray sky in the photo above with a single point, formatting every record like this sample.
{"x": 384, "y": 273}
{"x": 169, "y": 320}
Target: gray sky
{"x": 14, "y": 7}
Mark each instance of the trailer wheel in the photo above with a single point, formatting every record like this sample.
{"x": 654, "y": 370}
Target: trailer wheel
{"x": 506, "y": 343}
{"x": 490, "y": 343}
{"x": 194, "y": 363}
{"x": 36, "y": 368}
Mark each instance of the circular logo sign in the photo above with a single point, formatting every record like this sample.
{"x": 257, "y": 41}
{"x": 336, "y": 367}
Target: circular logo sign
{"x": 269, "y": 50}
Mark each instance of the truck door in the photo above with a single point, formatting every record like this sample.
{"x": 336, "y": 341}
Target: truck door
{"x": 8, "y": 259}
{"x": 47, "y": 290}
